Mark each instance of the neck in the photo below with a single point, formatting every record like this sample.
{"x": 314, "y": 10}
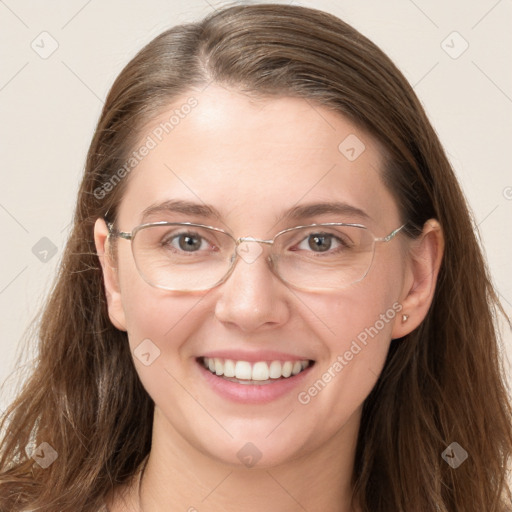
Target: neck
{"x": 179, "y": 477}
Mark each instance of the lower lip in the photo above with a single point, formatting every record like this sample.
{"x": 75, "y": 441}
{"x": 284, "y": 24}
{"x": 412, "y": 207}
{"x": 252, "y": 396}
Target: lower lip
{"x": 252, "y": 393}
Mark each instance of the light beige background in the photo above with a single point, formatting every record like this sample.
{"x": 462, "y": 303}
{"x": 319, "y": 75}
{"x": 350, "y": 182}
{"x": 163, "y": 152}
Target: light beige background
{"x": 49, "y": 107}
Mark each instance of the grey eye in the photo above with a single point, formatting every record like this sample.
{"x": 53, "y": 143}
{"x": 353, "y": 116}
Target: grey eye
{"x": 189, "y": 242}
{"x": 186, "y": 242}
{"x": 320, "y": 242}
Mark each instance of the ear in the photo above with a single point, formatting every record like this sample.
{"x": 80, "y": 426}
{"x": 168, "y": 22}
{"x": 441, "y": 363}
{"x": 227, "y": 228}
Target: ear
{"x": 110, "y": 276}
{"x": 424, "y": 261}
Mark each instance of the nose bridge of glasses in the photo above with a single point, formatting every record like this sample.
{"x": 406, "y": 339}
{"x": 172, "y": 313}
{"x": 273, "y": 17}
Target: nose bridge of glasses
{"x": 243, "y": 239}
{"x": 247, "y": 251}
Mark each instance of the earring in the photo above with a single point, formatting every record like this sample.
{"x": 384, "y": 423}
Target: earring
{"x": 405, "y": 318}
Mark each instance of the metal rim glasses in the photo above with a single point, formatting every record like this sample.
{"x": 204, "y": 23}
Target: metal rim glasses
{"x": 184, "y": 256}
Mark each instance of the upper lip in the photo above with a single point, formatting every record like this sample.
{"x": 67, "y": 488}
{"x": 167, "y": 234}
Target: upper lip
{"x": 252, "y": 357}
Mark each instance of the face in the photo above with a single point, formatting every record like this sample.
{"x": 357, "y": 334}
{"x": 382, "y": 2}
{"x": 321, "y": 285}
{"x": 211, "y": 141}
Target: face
{"x": 253, "y": 161}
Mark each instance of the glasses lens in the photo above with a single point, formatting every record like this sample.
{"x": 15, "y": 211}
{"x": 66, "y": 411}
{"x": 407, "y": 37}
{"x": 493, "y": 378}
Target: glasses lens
{"x": 189, "y": 257}
{"x": 323, "y": 257}
{"x": 182, "y": 257}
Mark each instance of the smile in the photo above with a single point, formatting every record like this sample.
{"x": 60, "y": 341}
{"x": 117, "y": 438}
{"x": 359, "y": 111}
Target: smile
{"x": 259, "y": 372}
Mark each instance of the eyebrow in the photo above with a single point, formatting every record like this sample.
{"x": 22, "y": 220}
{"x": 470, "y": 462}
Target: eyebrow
{"x": 336, "y": 208}
{"x": 296, "y": 213}
{"x": 183, "y": 207}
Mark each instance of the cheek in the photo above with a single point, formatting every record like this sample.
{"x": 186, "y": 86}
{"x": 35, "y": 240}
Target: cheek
{"x": 164, "y": 318}
{"x": 356, "y": 332}
{"x": 150, "y": 313}
{"x": 158, "y": 323}
{"x": 360, "y": 327}
{"x": 367, "y": 309}
{"x": 159, "y": 326}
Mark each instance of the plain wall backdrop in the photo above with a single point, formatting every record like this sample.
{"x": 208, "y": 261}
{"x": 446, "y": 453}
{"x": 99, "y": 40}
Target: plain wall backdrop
{"x": 59, "y": 59}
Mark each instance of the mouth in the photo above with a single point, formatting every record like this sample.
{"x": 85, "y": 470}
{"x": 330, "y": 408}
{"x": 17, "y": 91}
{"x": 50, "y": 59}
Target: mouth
{"x": 254, "y": 373}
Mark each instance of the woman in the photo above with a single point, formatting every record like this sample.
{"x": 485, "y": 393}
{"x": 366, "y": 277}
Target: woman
{"x": 272, "y": 298}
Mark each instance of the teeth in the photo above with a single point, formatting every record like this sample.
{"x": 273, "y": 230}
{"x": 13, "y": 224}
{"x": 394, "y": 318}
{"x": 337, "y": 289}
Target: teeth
{"x": 297, "y": 367}
{"x": 274, "y": 371}
{"x": 229, "y": 368}
{"x": 243, "y": 370}
{"x": 259, "y": 371}
{"x": 287, "y": 369}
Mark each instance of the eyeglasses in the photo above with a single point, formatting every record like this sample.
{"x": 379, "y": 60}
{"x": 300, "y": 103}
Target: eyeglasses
{"x": 183, "y": 256}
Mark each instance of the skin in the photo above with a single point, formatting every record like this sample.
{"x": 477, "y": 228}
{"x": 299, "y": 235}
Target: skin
{"x": 253, "y": 160}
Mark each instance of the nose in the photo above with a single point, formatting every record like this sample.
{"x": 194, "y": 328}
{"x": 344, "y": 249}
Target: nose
{"x": 252, "y": 298}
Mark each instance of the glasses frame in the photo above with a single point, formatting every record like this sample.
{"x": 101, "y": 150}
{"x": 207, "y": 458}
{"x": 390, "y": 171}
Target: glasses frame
{"x": 113, "y": 232}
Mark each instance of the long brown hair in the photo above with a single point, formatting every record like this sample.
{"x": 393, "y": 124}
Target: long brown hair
{"x": 442, "y": 383}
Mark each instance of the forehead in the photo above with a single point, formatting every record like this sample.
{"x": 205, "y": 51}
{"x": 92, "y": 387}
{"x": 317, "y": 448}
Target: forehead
{"x": 254, "y": 159}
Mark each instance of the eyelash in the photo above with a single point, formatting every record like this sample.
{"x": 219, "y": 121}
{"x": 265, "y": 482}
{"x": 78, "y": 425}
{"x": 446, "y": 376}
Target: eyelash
{"x": 168, "y": 241}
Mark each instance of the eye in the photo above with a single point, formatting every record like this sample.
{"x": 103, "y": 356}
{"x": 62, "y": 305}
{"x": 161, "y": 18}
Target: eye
{"x": 327, "y": 242}
{"x": 320, "y": 242}
{"x": 187, "y": 242}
